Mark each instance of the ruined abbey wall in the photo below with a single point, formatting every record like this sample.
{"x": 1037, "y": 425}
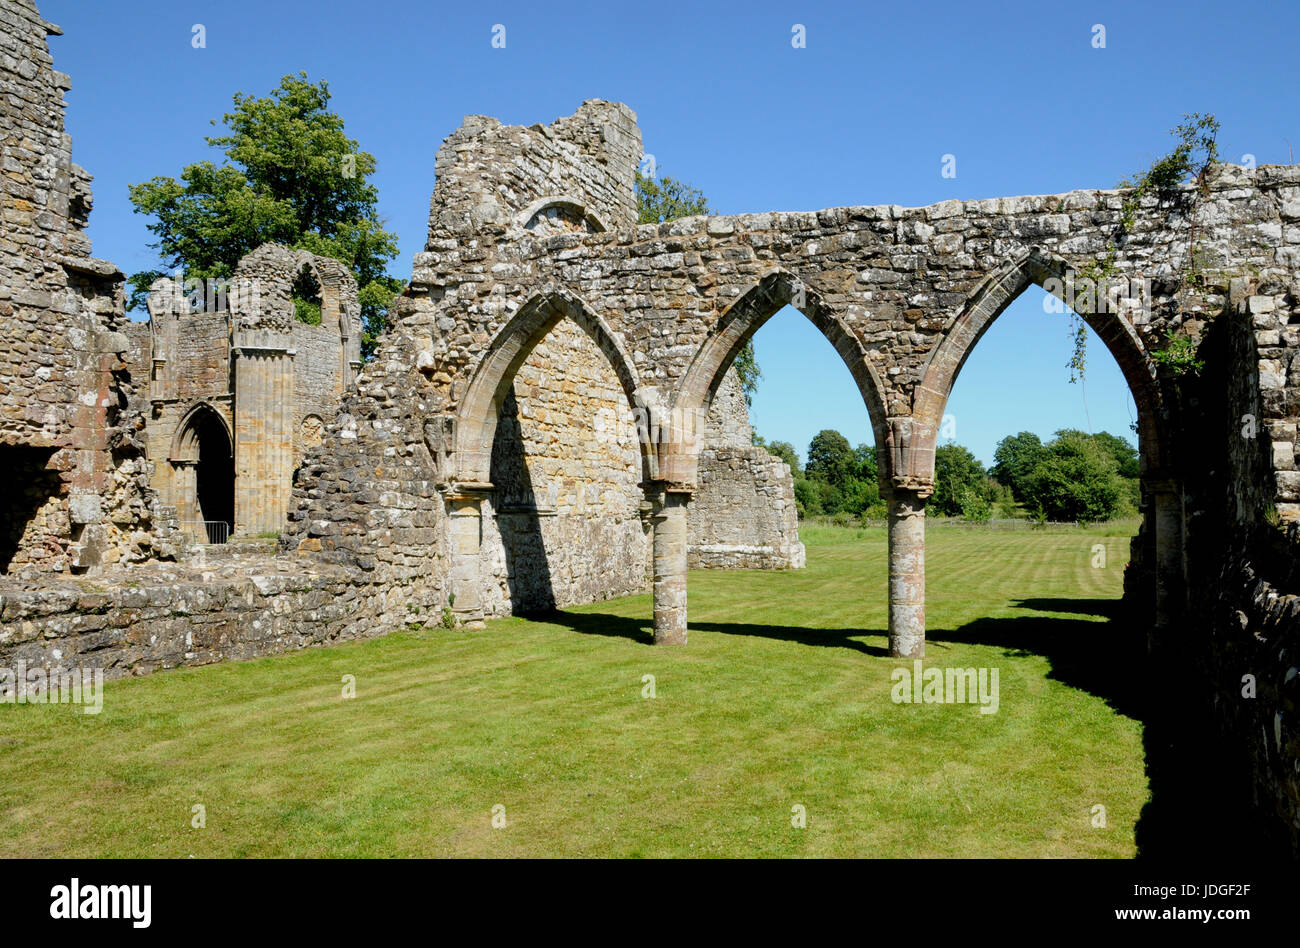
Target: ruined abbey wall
{"x": 743, "y": 515}
{"x": 232, "y": 350}
{"x": 81, "y": 498}
{"x": 535, "y": 266}
{"x": 565, "y": 525}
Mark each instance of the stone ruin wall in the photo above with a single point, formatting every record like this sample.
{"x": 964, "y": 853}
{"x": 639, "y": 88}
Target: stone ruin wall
{"x": 81, "y": 499}
{"x": 928, "y": 265}
{"x": 564, "y": 525}
{"x": 1243, "y": 555}
{"x": 368, "y": 525}
{"x": 743, "y": 514}
{"x": 189, "y": 353}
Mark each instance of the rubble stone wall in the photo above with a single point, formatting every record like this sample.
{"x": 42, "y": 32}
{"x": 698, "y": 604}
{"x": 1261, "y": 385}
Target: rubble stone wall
{"x": 564, "y": 523}
{"x": 63, "y": 382}
{"x": 743, "y": 514}
{"x": 533, "y": 226}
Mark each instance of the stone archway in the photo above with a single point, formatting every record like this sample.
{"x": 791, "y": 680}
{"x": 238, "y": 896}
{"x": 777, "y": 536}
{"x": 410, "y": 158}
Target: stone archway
{"x": 560, "y": 214}
{"x": 471, "y": 460}
{"x": 986, "y": 304}
{"x": 203, "y": 462}
{"x": 475, "y": 420}
{"x": 964, "y": 331}
{"x": 746, "y": 316}
{"x": 694, "y": 395}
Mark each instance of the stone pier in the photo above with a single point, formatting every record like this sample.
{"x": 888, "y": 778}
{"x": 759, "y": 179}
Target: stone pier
{"x": 670, "y": 546}
{"x": 906, "y": 573}
{"x": 264, "y": 455}
{"x": 465, "y": 530}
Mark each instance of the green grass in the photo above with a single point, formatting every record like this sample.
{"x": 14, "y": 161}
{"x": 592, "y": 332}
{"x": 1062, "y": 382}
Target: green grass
{"x": 782, "y": 697}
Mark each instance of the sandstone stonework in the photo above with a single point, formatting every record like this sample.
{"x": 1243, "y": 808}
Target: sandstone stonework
{"x": 539, "y": 306}
{"x": 78, "y": 499}
{"x": 742, "y": 515}
{"x": 238, "y": 389}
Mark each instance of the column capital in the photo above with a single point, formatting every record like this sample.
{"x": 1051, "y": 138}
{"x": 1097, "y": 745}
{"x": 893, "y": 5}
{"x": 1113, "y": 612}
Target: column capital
{"x": 1162, "y": 482}
{"x": 656, "y": 491}
{"x": 901, "y": 486}
{"x": 466, "y": 490}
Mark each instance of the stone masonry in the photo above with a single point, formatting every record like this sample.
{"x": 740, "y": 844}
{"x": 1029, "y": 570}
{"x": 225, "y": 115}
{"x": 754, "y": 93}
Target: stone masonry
{"x": 238, "y": 389}
{"x": 534, "y": 268}
{"x": 79, "y": 498}
{"x": 743, "y": 514}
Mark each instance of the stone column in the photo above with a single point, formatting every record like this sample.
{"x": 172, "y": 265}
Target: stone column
{"x": 264, "y": 408}
{"x": 185, "y": 495}
{"x": 906, "y": 573}
{"x": 1170, "y": 576}
{"x": 465, "y": 531}
{"x": 670, "y": 544}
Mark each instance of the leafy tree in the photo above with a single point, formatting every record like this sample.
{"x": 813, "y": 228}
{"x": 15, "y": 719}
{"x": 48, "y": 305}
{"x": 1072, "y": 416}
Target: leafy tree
{"x": 1014, "y": 460}
{"x": 1127, "y": 464}
{"x": 830, "y": 459}
{"x": 663, "y": 199}
{"x": 830, "y": 498}
{"x": 746, "y": 366}
{"x": 807, "y": 497}
{"x": 957, "y": 473}
{"x": 859, "y": 495}
{"x": 1076, "y": 480}
{"x": 667, "y": 199}
{"x": 838, "y": 479}
{"x": 868, "y": 469}
{"x": 975, "y": 505}
{"x": 290, "y": 174}
{"x": 1001, "y": 498}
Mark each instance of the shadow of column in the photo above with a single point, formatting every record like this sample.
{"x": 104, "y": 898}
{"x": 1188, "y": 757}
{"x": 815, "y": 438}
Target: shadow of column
{"x": 519, "y": 520}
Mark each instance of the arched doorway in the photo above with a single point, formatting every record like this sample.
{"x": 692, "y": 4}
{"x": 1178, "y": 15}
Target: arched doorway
{"x": 204, "y": 465}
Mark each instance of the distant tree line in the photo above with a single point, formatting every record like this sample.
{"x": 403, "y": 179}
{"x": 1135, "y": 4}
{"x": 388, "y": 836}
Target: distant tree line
{"x": 1075, "y": 476}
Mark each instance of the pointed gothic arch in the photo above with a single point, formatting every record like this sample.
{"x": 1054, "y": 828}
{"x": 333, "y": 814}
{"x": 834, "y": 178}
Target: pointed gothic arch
{"x": 476, "y": 418}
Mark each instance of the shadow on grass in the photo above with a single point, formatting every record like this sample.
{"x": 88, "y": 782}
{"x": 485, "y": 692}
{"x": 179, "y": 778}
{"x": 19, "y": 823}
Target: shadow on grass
{"x": 641, "y": 631}
{"x": 1089, "y": 656}
{"x": 1107, "y": 608}
{"x": 1199, "y": 809}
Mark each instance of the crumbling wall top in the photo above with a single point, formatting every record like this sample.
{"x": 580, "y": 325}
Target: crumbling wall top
{"x": 492, "y": 179}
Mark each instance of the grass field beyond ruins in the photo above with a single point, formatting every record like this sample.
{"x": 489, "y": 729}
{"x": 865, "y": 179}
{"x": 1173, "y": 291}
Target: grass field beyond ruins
{"x": 781, "y": 698}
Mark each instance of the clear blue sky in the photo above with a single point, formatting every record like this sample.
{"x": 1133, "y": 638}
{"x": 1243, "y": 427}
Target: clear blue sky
{"x": 863, "y": 115}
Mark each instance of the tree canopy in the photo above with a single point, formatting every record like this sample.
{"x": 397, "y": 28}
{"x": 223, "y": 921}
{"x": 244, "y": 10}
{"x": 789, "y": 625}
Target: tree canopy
{"x": 1077, "y": 479}
{"x": 961, "y": 485}
{"x": 1074, "y": 477}
{"x": 1014, "y": 460}
{"x": 291, "y": 175}
{"x": 837, "y": 479}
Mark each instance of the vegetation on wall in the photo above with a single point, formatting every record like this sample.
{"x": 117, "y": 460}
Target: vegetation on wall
{"x": 306, "y": 298}
{"x": 1190, "y": 161}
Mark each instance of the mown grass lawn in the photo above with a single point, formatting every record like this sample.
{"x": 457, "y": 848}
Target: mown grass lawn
{"x": 782, "y": 698}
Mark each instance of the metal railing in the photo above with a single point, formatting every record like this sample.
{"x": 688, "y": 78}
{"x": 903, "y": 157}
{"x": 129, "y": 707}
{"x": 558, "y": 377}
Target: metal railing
{"x": 214, "y": 531}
